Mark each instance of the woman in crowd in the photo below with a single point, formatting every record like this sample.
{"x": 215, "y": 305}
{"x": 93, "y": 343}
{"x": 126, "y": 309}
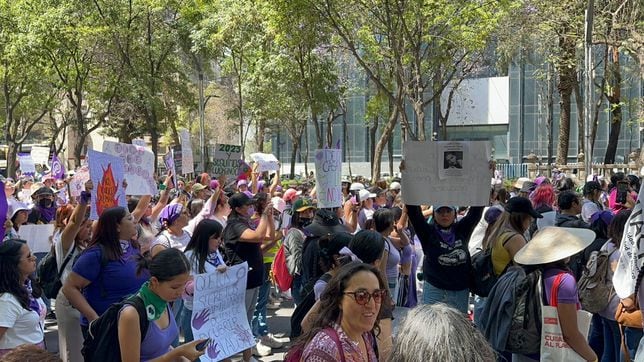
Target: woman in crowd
{"x": 507, "y": 236}
{"x": 145, "y": 215}
{"x": 347, "y": 322}
{"x": 303, "y": 211}
{"x": 591, "y": 204}
{"x": 452, "y": 337}
{"x": 543, "y": 201}
{"x": 551, "y": 250}
{"x": 243, "y": 243}
{"x": 18, "y": 214}
{"x": 169, "y": 271}
{"x": 204, "y": 256}
{"x": 69, "y": 243}
{"x": 446, "y": 266}
{"x": 331, "y": 259}
{"x": 22, "y": 311}
{"x": 106, "y": 271}
{"x": 611, "y": 335}
{"x": 207, "y": 210}
{"x": 173, "y": 219}
{"x": 612, "y": 194}
{"x": 366, "y": 200}
{"x": 384, "y": 223}
{"x": 10, "y": 190}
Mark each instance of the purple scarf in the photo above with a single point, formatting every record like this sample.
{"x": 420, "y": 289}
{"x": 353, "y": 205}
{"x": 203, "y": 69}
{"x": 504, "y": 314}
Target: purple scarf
{"x": 33, "y": 303}
{"x": 47, "y": 213}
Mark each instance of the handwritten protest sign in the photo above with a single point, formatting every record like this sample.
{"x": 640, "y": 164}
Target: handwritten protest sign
{"x": 37, "y": 236}
{"x": 40, "y": 155}
{"x": 328, "y": 177}
{"x": 188, "y": 164}
{"x": 168, "y": 160}
{"x": 27, "y": 165}
{"x": 177, "y": 156}
{"x": 139, "y": 142}
{"x": 266, "y": 161}
{"x": 77, "y": 185}
{"x": 226, "y": 160}
{"x": 219, "y": 312}
{"x": 423, "y": 176}
{"x": 139, "y": 166}
{"x": 107, "y": 173}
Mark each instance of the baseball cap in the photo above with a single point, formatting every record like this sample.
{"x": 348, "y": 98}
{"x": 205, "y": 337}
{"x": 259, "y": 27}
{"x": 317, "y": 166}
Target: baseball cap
{"x": 394, "y": 186}
{"x": 440, "y": 206}
{"x": 198, "y": 187}
{"x": 290, "y": 194}
{"x": 15, "y": 206}
{"x": 356, "y": 186}
{"x": 278, "y": 204}
{"x": 365, "y": 194}
{"x": 242, "y": 182}
{"x": 302, "y": 205}
{"x": 522, "y": 204}
{"x": 239, "y": 199}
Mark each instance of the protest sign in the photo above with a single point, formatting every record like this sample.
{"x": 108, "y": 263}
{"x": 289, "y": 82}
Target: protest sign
{"x": 631, "y": 258}
{"x": 266, "y": 161}
{"x": 139, "y": 142}
{"x": 27, "y": 164}
{"x": 431, "y": 174}
{"x": 226, "y": 160}
{"x": 219, "y": 312}
{"x": 244, "y": 172}
{"x": 37, "y": 236}
{"x": 57, "y": 168}
{"x": 328, "y": 177}
{"x": 4, "y": 208}
{"x": 139, "y": 167}
{"x": 40, "y": 155}
{"x": 168, "y": 160}
{"x": 107, "y": 173}
{"x": 188, "y": 162}
{"x": 177, "y": 156}
{"x": 77, "y": 184}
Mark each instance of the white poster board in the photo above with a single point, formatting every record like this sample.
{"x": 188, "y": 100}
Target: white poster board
{"x": 266, "y": 161}
{"x": 328, "y": 177}
{"x": 219, "y": 312}
{"x": 432, "y": 174}
{"x": 37, "y": 236}
{"x": 139, "y": 166}
{"x": 77, "y": 184}
{"x": 226, "y": 160}
{"x": 27, "y": 164}
{"x": 188, "y": 164}
{"x": 40, "y": 155}
{"x": 139, "y": 142}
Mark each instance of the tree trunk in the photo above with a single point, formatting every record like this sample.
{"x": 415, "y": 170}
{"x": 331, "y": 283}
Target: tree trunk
{"x": 12, "y": 156}
{"x": 614, "y": 97}
{"x": 382, "y": 142}
{"x": 549, "y": 111}
{"x": 154, "y": 138}
{"x": 581, "y": 131}
{"x": 329, "y": 129}
{"x": 373, "y": 131}
{"x": 259, "y": 135}
{"x": 567, "y": 81}
{"x": 296, "y": 147}
{"x": 390, "y": 153}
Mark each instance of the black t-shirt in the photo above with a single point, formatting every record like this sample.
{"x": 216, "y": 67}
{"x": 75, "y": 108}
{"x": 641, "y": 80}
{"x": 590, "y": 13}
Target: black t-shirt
{"x": 248, "y": 252}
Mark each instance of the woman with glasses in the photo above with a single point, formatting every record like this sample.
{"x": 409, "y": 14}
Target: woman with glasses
{"x": 22, "y": 311}
{"x": 346, "y": 326}
{"x": 204, "y": 256}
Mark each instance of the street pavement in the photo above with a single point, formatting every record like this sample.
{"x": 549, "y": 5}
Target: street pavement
{"x": 279, "y": 322}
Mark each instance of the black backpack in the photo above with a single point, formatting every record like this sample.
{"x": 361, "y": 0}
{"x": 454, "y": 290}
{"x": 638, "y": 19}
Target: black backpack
{"x": 49, "y": 274}
{"x": 102, "y": 342}
{"x": 483, "y": 277}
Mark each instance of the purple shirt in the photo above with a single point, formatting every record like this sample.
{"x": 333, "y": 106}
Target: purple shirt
{"x": 118, "y": 278}
{"x": 567, "y": 293}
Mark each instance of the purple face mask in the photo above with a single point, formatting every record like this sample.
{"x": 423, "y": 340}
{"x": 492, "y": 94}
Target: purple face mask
{"x": 251, "y": 211}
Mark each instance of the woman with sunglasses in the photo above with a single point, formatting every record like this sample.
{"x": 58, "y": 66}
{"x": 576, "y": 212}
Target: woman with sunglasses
{"x": 22, "y": 311}
{"x": 346, "y": 325}
{"x": 204, "y": 256}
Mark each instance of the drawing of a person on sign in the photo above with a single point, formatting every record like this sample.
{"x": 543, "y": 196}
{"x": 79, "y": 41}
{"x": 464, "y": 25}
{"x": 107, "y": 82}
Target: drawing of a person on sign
{"x": 452, "y": 154}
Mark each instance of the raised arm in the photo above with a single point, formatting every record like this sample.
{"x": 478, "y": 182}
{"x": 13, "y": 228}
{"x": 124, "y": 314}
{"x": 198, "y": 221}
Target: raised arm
{"x": 76, "y": 220}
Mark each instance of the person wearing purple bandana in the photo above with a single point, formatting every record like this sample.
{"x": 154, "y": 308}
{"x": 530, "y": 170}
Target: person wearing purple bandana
{"x": 173, "y": 219}
{"x": 447, "y": 265}
{"x": 44, "y": 210}
{"x": 22, "y": 311}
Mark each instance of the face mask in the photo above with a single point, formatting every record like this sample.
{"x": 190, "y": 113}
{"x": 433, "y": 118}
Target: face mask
{"x": 277, "y": 222}
{"x": 305, "y": 221}
{"x": 44, "y": 203}
{"x": 251, "y": 211}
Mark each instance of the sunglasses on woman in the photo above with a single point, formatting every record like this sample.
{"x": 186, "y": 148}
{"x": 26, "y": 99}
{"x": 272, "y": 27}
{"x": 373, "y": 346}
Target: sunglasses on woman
{"x": 363, "y": 297}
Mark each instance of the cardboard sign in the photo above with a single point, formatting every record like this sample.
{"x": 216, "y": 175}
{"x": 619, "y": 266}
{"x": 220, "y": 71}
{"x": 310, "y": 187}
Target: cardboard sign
{"x": 188, "y": 164}
{"x": 139, "y": 167}
{"x": 77, "y": 185}
{"x": 266, "y": 161}
{"x": 37, "y": 236}
{"x": 40, "y": 155}
{"x": 328, "y": 177}
{"x": 168, "y": 160}
{"x": 226, "y": 160}
{"x": 219, "y": 312}
{"x": 27, "y": 164}
{"x": 107, "y": 173}
{"x": 431, "y": 174}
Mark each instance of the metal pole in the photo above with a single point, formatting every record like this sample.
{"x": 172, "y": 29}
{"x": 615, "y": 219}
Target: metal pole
{"x": 588, "y": 80}
{"x": 202, "y": 137}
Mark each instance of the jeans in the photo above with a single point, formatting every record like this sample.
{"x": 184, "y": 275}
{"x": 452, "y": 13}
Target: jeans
{"x": 259, "y": 324}
{"x": 596, "y": 335}
{"x": 296, "y": 289}
{"x": 186, "y": 318}
{"x": 612, "y": 341}
{"x": 479, "y": 305}
{"x": 632, "y": 336}
{"x": 177, "y": 307}
{"x": 454, "y": 298}
{"x": 47, "y": 301}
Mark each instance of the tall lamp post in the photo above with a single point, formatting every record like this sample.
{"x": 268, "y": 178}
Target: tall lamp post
{"x": 588, "y": 85}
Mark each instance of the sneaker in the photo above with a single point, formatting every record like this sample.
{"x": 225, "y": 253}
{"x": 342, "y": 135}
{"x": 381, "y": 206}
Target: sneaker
{"x": 273, "y": 306}
{"x": 262, "y": 350}
{"x": 271, "y": 341}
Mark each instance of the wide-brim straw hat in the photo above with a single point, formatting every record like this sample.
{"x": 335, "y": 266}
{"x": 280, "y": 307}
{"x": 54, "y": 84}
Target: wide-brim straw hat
{"x": 553, "y": 244}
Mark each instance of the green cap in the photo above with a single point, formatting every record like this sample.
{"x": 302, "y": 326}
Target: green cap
{"x": 302, "y": 204}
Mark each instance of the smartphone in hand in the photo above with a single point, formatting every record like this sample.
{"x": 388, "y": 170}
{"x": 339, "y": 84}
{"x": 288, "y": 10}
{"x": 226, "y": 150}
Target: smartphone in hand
{"x": 201, "y": 346}
{"x": 622, "y": 191}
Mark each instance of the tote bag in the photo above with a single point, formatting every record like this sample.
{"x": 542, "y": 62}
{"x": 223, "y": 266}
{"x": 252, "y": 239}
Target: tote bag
{"x": 553, "y": 347}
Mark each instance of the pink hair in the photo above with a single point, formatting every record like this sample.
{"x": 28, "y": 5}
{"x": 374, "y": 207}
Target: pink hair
{"x": 544, "y": 194}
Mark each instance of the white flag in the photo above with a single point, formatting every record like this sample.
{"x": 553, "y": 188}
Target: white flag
{"x": 631, "y": 252}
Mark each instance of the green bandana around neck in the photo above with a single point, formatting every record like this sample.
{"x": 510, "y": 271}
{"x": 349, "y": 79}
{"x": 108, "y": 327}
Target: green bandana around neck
{"x": 154, "y": 305}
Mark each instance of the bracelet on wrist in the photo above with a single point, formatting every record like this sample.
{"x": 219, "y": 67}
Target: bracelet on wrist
{"x": 162, "y": 187}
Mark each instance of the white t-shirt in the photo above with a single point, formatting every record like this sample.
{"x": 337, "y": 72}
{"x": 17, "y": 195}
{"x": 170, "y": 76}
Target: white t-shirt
{"x": 194, "y": 270}
{"x": 168, "y": 240}
{"x": 588, "y": 208}
{"x": 23, "y": 326}
{"x": 60, "y": 256}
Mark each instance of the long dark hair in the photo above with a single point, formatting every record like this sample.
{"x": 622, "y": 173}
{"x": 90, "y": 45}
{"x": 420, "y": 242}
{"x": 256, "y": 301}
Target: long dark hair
{"x": 368, "y": 245}
{"x": 330, "y": 246}
{"x": 617, "y": 225}
{"x": 165, "y": 265}
{"x": 330, "y": 312}
{"x": 106, "y": 235}
{"x": 200, "y": 240}
{"x": 383, "y": 219}
{"x": 10, "y": 275}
